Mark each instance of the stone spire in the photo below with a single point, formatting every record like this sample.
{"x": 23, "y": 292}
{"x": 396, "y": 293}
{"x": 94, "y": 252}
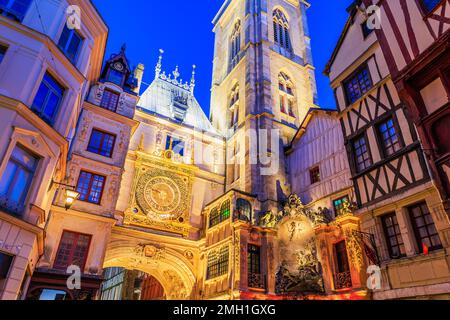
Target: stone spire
{"x": 159, "y": 64}
{"x": 192, "y": 85}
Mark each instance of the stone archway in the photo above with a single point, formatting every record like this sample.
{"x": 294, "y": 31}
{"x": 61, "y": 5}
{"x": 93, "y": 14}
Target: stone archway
{"x": 161, "y": 260}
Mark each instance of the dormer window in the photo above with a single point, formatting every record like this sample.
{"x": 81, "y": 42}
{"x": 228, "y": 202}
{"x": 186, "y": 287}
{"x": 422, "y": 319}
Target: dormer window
{"x": 115, "y": 77}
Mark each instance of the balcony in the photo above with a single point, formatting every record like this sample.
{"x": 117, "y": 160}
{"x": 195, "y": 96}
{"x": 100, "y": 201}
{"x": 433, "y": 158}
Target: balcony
{"x": 256, "y": 281}
{"x": 343, "y": 280}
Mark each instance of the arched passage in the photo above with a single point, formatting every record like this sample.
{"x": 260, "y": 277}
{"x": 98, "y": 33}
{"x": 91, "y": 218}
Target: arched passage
{"x": 164, "y": 263}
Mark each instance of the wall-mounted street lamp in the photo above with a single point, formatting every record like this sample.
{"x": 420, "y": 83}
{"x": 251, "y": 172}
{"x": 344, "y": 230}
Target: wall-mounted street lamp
{"x": 71, "y": 195}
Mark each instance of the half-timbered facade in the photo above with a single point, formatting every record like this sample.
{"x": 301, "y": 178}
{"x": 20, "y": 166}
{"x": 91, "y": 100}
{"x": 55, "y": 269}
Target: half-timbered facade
{"x": 392, "y": 183}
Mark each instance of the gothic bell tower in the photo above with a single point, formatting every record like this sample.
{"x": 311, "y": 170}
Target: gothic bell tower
{"x": 263, "y": 85}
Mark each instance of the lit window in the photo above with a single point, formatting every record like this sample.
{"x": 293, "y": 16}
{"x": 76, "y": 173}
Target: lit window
{"x": 217, "y": 216}
{"x": 314, "y": 175}
{"x": 389, "y": 137}
{"x": 101, "y": 143}
{"x": 244, "y": 210}
{"x": 361, "y": 153}
{"x": 358, "y": 84}
{"x": 217, "y": 263}
{"x": 281, "y": 30}
{"x": 73, "y": 250}
{"x": 110, "y": 100}
{"x": 393, "y": 236}
{"x": 339, "y": 205}
{"x": 48, "y": 99}
{"x": 15, "y": 9}
{"x": 70, "y": 43}
{"x": 90, "y": 186}
{"x": 286, "y": 94}
{"x": 5, "y": 264}
{"x": 424, "y": 228}
{"x": 16, "y": 180}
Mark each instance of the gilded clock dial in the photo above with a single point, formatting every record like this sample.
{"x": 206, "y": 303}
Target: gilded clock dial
{"x": 163, "y": 196}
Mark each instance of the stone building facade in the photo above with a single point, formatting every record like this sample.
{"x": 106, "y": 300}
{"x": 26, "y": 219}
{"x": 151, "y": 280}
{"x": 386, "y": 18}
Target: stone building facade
{"x": 151, "y": 199}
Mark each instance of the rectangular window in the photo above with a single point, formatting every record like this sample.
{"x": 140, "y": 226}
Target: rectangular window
{"x": 429, "y": 5}
{"x": 101, "y": 143}
{"x": 338, "y": 205}
{"x": 73, "y": 250}
{"x": 48, "y": 99}
{"x": 110, "y": 100}
{"x": 70, "y": 43}
{"x": 175, "y": 144}
{"x": 424, "y": 228}
{"x": 115, "y": 77}
{"x": 389, "y": 138}
{"x": 16, "y": 180}
{"x": 357, "y": 85}
{"x": 2, "y": 52}
{"x": 393, "y": 236}
{"x": 254, "y": 259}
{"x": 363, "y": 159}
{"x": 314, "y": 175}
{"x": 90, "y": 186}
{"x": 15, "y": 9}
{"x": 5, "y": 264}
{"x": 218, "y": 263}
{"x": 343, "y": 277}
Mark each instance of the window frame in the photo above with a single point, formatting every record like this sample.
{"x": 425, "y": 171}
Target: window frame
{"x": 336, "y": 210}
{"x": 426, "y": 12}
{"x": 352, "y": 76}
{"x": 88, "y": 247}
{"x": 40, "y": 112}
{"x": 113, "y": 93}
{"x": 11, "y": 263}
{"x": 315, "y": 175}
{"x": 415, "y": 227}
{"x": 398, "y": 236}
{"x": 27, "y": 188}
{"x": 355, "y": 157}
{"x": 219, "y": 264}
{"x": 103, "y": 133}
{"x": 72, "y": 33}
{"x": 7, "y": 11}
{"x": 90, "y": 187}
{"x": 253, "y": 265}
{"x": 380, "y": 139}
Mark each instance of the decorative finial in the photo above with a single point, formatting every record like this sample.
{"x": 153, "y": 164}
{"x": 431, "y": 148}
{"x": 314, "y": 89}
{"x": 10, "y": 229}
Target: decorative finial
{"x": 192, "y": 86}
{"x": 123, "y": 48}
{"x": 176, "y": 73}
{"x": 159, "y": 64}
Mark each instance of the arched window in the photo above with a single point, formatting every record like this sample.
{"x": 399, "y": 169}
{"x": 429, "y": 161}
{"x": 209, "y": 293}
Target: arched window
{"x": 244, "y": 209}
{"x": 234, "y": 105}
{"x": 225, "y": 210}
{"x": 235, "y": 44}
{"x": 286, "y": 93}
{"x": 214, "y": 217}
{"x": 217, "y": 263}
{"x": 281, "y": 29}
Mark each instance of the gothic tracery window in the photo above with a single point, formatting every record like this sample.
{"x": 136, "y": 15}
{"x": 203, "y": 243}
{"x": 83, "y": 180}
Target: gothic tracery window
{"x": 286, "y": 93}
{"x": 235, "y": 44}
{"x": 234, "y": 106}
{"x": 281, "y": 29}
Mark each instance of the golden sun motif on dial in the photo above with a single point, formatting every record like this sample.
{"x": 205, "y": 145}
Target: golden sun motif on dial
{"x": 163, "y": 196}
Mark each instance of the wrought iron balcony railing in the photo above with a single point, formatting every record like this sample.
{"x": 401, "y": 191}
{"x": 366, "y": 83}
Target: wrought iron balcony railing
{"x": 343, "y": 280}
{"x": 256, "y": 281}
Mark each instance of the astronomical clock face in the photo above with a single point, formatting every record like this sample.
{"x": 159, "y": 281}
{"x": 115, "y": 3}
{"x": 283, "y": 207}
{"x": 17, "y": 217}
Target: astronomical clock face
{"x": 163, "y": 196}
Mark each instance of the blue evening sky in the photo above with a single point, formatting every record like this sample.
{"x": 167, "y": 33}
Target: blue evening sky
{"x": 184, "y": 30}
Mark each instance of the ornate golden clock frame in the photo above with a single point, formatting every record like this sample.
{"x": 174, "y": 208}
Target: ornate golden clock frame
{"x": 161, "y": 194}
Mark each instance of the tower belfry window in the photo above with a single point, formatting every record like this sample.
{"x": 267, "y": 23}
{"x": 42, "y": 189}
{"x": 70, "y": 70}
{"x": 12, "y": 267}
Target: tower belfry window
{"x": 281, "y": 30}
{"x": 235, "y": 44}
{"x": 234, "y": 106}
{"x": 286, "y": 93}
